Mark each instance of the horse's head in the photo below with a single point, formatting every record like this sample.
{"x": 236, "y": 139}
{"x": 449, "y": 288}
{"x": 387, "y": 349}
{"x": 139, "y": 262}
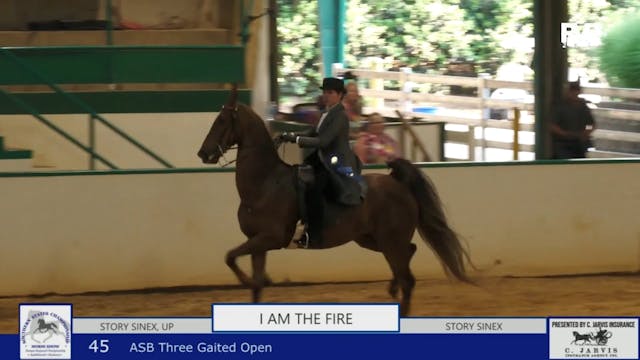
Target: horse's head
{"x": 223, "y": 131}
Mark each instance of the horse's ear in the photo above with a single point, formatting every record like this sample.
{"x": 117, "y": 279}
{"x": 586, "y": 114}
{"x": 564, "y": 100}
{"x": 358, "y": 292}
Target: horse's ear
{"x": 233, "y": 98}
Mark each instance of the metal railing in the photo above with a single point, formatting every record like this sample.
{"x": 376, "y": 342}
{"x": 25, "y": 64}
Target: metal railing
{"x": 84, "y": 107}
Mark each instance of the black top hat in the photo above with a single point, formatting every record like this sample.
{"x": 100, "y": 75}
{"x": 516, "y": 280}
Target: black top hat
{"x": 333, "y": 84}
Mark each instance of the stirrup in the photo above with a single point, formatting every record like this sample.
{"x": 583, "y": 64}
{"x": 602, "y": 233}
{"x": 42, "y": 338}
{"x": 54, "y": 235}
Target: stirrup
{"x": 303, "y": 241}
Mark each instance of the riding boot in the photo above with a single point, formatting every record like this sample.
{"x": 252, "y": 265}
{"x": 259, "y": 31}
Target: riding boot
{"x": 301, "y": 189}
{"x": 316, "y": 225}
{"x": 305, "y": 180}
{"x": 313, "y": 220}
{"x": 315, "y": 208}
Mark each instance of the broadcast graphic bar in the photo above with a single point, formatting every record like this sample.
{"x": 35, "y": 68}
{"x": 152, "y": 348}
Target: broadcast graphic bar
{"x": 473, "y": 326}
{"x": 142, "y": 325}
{"x": 307, "y": 317}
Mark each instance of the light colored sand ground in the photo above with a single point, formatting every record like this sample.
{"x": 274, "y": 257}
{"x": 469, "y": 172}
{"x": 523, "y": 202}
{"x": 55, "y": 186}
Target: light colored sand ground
{"x": 568, "y": 296}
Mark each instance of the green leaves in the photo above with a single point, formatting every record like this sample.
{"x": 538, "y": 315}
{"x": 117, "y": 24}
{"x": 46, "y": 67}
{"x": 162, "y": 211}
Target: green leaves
{"x": 427, "y": 34}
{"x": 620, "y": 53}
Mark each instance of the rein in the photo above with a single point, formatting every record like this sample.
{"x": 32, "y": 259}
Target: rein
{"x": 226, "y": 162}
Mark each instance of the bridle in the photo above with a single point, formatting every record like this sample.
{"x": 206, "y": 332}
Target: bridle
{"x": 234, "y": 117}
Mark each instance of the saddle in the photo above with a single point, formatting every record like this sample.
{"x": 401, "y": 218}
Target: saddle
{"x": 308, "y": 211}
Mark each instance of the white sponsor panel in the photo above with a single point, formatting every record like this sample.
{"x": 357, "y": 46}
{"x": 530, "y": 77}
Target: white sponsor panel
{"x": 473, "y": 326}
{"x": 580, "y": 35}
{"x": 142, "y": 325}
{"x": 45, "y": 331}
{"x": 306, "y": 317}
{"x": 593, "y": 338}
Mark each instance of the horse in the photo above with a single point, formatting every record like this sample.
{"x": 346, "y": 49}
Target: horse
{"x": 586, "y": 338}
{"x": 395, "y": 206}
{"x": 45, "y": 327}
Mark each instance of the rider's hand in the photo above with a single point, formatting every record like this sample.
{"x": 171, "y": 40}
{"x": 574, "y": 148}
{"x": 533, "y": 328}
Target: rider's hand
{"x": 288, "y": 137}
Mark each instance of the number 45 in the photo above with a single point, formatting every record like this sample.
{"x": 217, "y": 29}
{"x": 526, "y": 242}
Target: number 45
{"x": 102, "y": 346}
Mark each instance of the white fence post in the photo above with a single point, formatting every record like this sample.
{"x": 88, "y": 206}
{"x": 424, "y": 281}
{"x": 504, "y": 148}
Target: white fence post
{"x": 337, "y": 69}
{"x": 377, "y": 64}
{"x": 484, "y": 93}
{"x": 406, "y": 87}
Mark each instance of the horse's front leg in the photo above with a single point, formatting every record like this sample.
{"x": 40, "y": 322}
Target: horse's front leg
{"x": 258, "y": 263}
{"x": 257, "y": 247}
{"x": 230, "y": 259}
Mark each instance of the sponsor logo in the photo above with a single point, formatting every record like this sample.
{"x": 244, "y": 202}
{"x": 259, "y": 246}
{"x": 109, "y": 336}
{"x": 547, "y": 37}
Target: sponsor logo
{"x": 45, "y": 331}
{"x": 580, "y": 35}
{"x": 593, "y": 338}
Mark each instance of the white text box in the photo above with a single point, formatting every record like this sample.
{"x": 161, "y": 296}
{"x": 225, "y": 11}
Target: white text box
{"x": 141, "y": 325}
{"x": 473, "y": 326}
{"x": 306, "y": 317}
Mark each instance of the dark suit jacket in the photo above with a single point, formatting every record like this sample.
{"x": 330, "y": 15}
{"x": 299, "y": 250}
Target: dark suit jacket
{"x": 332, "y": 139}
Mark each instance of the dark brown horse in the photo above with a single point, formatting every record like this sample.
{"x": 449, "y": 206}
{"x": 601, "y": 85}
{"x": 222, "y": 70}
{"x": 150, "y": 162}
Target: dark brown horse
{"x": 394, "y": 207}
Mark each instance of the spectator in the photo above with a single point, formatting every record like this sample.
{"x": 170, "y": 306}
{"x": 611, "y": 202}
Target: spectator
{"x": 373, "y": 145}
{"x": 353, "y": 106}
{"x": 572, "y": 125}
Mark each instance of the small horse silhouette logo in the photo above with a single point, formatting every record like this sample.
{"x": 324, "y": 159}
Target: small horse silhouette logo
{"x": 43, "y": 327}
{"x": 581, "y": 337}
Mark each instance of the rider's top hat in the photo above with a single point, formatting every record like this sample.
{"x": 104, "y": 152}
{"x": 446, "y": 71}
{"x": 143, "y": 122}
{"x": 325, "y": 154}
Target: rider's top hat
{"x": 333, "y": 84}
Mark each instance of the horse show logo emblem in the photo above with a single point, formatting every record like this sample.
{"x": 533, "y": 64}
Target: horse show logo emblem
{"x": 45, "y": 331}
{"x": 593, "y": 338}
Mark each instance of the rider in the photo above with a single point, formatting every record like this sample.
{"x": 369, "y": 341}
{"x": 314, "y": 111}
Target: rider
{"x": 335, "y": 166}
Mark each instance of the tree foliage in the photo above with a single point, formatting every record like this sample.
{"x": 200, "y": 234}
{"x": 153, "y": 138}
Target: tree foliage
{"x": 620, "y": 53}
{"x": 421, "y": 34}
{"x": 606, "y": 13}
{"x": 299, "y": 52}
{"x": 427, "y": 34}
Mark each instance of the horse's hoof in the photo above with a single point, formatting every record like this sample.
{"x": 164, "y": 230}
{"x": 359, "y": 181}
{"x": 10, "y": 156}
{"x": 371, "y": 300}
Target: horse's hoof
{"x": 393, "y": 291}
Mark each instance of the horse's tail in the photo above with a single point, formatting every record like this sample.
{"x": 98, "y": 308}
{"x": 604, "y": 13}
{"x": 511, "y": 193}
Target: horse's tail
{"x": 432, "y": 222}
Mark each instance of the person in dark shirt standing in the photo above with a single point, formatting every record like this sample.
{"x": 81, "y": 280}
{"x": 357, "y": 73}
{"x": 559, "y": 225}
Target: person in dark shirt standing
{"x": 571, "y": 126}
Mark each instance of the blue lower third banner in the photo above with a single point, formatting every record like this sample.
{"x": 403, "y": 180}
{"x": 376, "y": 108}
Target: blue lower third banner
{"x": 314, "y": 331}
{"x": 299, "y": 346}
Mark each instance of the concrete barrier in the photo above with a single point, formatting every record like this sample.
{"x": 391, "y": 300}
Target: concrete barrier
{"x": 89, "y": 231}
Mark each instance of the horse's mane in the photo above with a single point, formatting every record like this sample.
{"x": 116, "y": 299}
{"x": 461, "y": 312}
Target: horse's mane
{"x": 253, "y": 124}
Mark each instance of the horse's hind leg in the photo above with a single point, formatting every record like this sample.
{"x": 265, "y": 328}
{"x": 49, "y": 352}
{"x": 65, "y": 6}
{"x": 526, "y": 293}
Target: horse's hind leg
{"x": 398, "y": 259}
{"x": 371, "y": 244}
{"x": 393, "y": 284}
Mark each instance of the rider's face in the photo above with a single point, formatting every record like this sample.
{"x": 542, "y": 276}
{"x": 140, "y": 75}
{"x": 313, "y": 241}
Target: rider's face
{"x": 331, "y": 97}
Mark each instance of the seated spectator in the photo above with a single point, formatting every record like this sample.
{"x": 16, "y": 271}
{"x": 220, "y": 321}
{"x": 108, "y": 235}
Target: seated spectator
{"x": 353, "y": 108}
{"x": 373, "y": 145}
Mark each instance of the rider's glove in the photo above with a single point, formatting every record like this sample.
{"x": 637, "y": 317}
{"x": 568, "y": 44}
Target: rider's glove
{"x": 288, "y": 137}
